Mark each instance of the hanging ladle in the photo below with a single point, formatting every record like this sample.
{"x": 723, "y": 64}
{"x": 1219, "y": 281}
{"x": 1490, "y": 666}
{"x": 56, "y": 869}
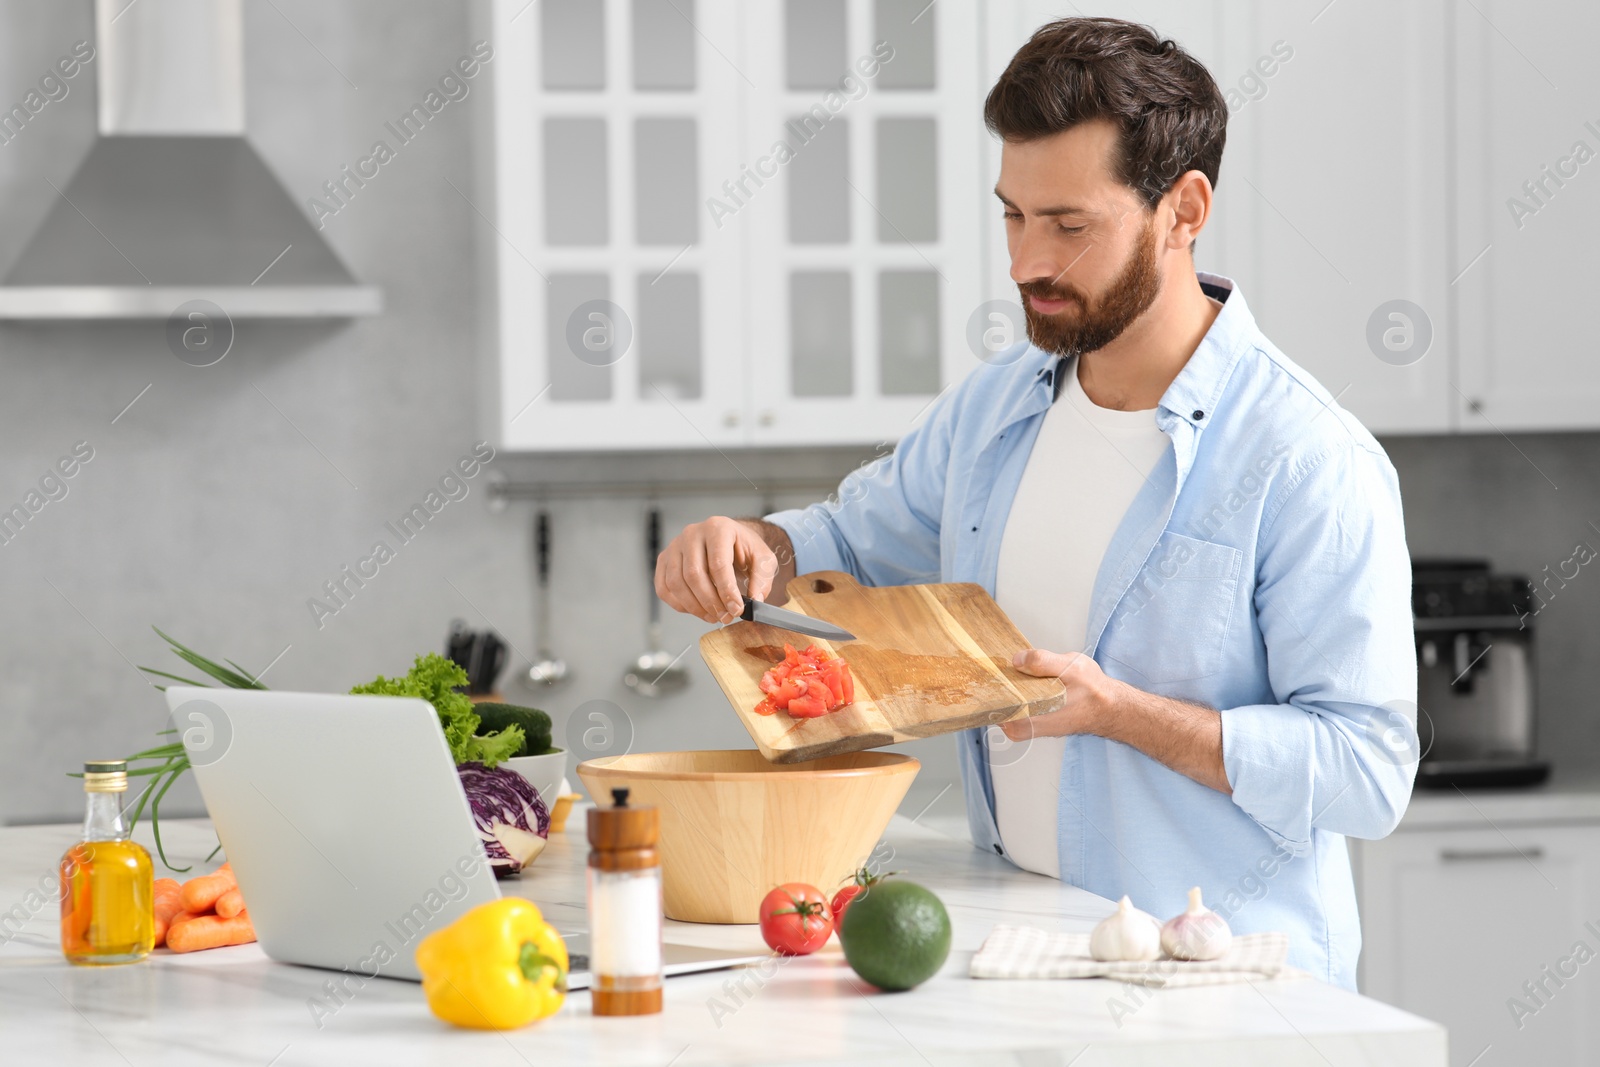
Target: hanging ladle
{"x": 657, "y": 672}
{"x": 546, "y": 671}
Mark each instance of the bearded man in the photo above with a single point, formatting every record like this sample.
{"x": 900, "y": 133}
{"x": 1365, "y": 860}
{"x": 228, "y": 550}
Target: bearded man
{"x": 1202, "y": 545}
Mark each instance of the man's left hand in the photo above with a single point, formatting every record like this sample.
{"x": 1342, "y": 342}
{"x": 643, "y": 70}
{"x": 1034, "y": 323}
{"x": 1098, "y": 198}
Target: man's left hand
{"x": 1090, "y": 695}
{"x": 1181, "y": 734}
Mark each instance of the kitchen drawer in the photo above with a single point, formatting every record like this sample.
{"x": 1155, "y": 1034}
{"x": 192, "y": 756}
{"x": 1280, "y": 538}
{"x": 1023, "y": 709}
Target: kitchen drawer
{"x": 1488, "y": 932}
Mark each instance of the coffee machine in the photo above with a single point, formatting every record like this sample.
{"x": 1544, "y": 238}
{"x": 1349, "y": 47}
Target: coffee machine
{"x": 1475, "y": 676}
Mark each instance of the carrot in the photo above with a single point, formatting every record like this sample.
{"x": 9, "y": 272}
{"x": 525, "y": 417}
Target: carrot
{"x": 201, "y": 893}
{"x": 210, "y": 931}
{"x": 165, "y": 890}
{"x": 230, "y": 904}
{"x": 168, "y": 902}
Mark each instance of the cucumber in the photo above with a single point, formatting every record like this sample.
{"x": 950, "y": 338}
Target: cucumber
{"x": 535, "y": 725}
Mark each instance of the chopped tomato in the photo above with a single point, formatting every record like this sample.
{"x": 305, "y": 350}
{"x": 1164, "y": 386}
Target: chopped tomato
{"x": 807, "y": 684}
{"x": 806, "y": 707}
{"x": 837, "y": 678}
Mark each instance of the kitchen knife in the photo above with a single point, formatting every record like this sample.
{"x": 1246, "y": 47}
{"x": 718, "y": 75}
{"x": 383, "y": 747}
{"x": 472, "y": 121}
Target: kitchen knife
{"x": 760, "y": 611}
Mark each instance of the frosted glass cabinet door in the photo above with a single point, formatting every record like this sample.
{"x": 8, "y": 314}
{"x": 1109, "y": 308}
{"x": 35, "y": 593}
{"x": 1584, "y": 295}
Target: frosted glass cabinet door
{"x": 731, "y": 222}
{"x": 864, "y": 122}
{"x": 619, "y": 321}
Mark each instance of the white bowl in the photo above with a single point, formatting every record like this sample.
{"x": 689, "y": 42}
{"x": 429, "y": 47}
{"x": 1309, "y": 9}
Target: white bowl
{"x": 544, "y": 773}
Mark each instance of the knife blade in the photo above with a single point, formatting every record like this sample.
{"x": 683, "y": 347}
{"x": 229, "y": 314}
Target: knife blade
{"x": 760, "y": 611}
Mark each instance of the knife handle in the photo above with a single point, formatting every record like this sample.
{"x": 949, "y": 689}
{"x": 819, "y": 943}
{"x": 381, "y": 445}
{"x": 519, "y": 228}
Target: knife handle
{"x": 749, "y": 612}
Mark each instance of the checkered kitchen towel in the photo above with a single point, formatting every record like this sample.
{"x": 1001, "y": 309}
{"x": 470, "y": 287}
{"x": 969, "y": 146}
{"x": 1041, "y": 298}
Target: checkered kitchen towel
{"x": 1026, "y": 952}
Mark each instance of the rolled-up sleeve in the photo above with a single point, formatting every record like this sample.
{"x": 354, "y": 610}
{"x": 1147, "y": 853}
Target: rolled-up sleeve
{"x": 1333, "y": 595}
{"x": 882, "y": 526}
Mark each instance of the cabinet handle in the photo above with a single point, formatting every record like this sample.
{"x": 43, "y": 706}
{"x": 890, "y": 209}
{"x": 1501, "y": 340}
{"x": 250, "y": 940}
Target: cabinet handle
{"x": 768, "y": 418}
{"x": 1483, "y": 855}
{"x": 731, "y": 419}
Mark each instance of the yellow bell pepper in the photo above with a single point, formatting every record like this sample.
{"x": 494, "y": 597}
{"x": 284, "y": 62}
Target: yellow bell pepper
{"x": 498, "y": 967}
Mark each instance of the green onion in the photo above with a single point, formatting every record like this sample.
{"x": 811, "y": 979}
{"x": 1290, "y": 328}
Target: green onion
{"x": 168, "y": 762}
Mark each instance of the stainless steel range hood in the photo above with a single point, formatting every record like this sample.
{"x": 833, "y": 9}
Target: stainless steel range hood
{"x": 172, "y": 204}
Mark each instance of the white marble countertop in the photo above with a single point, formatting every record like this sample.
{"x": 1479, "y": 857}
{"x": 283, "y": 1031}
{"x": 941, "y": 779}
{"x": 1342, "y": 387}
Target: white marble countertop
{"x": 235, "y": 1006}
{"x": 1568, "y": 797}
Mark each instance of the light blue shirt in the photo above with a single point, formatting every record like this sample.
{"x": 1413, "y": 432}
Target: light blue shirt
{"x": 1261, "y": 570}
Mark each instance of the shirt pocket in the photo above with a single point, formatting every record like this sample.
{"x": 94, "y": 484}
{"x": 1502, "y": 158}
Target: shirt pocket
{"x": 1173, "y": 622}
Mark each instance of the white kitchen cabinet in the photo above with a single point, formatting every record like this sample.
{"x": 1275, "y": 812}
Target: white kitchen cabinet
{"x": 1340, "y": 181}
{"x": 1375, "y": 154}
{"x": 862, "y": 273}
{"x": 613, "y": 293}
{"x": 1528, "y": 203}
{"x": 666, "y": 278}
{"x": 1455, "y": 921}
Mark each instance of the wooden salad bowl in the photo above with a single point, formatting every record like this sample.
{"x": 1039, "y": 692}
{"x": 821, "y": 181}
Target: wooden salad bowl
{"x": 734, "y": 825}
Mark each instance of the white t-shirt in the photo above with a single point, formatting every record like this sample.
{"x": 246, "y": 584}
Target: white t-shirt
{"x": 1085, "y": 469}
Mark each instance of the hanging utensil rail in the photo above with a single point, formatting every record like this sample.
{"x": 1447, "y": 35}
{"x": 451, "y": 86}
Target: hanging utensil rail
{"x": 505, "y": 490}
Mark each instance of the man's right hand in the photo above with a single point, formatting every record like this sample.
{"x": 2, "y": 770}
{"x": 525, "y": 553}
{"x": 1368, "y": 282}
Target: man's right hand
{"x": 709, "y": 568}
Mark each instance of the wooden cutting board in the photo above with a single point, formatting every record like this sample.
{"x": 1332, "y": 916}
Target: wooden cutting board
{"x": 927, "y": 660}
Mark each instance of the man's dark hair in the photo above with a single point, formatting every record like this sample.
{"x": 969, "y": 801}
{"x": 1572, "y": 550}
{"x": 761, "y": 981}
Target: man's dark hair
{"x": 1170, "y": 116}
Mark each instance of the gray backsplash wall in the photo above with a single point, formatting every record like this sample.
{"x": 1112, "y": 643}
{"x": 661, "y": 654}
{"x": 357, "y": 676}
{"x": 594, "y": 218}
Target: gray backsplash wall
{"x": 226, "y": 496}
{"x": 1523, "y": 502}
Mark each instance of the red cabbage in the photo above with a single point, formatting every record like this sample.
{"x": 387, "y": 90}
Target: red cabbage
{"x": 512, "y": 821}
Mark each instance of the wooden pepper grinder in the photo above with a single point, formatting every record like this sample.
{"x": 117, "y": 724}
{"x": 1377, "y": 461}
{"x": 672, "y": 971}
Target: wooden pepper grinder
{"x": 624, "y": 880}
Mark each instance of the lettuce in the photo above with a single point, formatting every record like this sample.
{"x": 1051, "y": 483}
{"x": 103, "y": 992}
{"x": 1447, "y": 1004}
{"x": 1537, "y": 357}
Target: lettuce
{"x": 435, "y": 679}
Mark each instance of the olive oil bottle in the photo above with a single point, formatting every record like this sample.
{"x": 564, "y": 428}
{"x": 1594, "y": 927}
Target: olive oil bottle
{"x": 107, "y": 881}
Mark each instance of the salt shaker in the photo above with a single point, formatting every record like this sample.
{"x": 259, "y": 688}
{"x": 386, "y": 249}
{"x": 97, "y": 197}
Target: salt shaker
{"x": 624, "y": 908}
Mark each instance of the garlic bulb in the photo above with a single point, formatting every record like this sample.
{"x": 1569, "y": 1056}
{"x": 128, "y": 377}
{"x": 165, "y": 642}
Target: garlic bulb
{"x": 1126, "y": 934}
{"x": 1198, "y": 934}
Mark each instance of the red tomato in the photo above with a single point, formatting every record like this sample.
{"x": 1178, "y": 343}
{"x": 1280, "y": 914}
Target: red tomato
{"x": 795, "y": 920}
{"x": 807, "y": 707}
{"x": 806, "y": 684}
{"x": 860, "y": 882}
{"x": 841, "y": 901}
{"x": 832, "y": 674}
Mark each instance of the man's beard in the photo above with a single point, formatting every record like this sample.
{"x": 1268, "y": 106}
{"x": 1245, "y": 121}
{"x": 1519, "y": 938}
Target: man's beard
{"x": 1090, "y": 326}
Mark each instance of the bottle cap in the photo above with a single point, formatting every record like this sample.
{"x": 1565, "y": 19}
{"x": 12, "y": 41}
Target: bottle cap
{"x": 105, "y": 776}
{"x": 624, "y": 825}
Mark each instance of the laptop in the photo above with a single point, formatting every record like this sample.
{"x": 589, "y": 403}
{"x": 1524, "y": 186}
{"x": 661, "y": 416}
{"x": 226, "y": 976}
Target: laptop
{"x": 349, "y": 832}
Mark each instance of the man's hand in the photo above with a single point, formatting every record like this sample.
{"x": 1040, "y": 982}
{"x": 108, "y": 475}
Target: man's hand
{"x": 708, "y": 568}
{"x": 1089, "y": 694}
{"x": 1184, "y": 736}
